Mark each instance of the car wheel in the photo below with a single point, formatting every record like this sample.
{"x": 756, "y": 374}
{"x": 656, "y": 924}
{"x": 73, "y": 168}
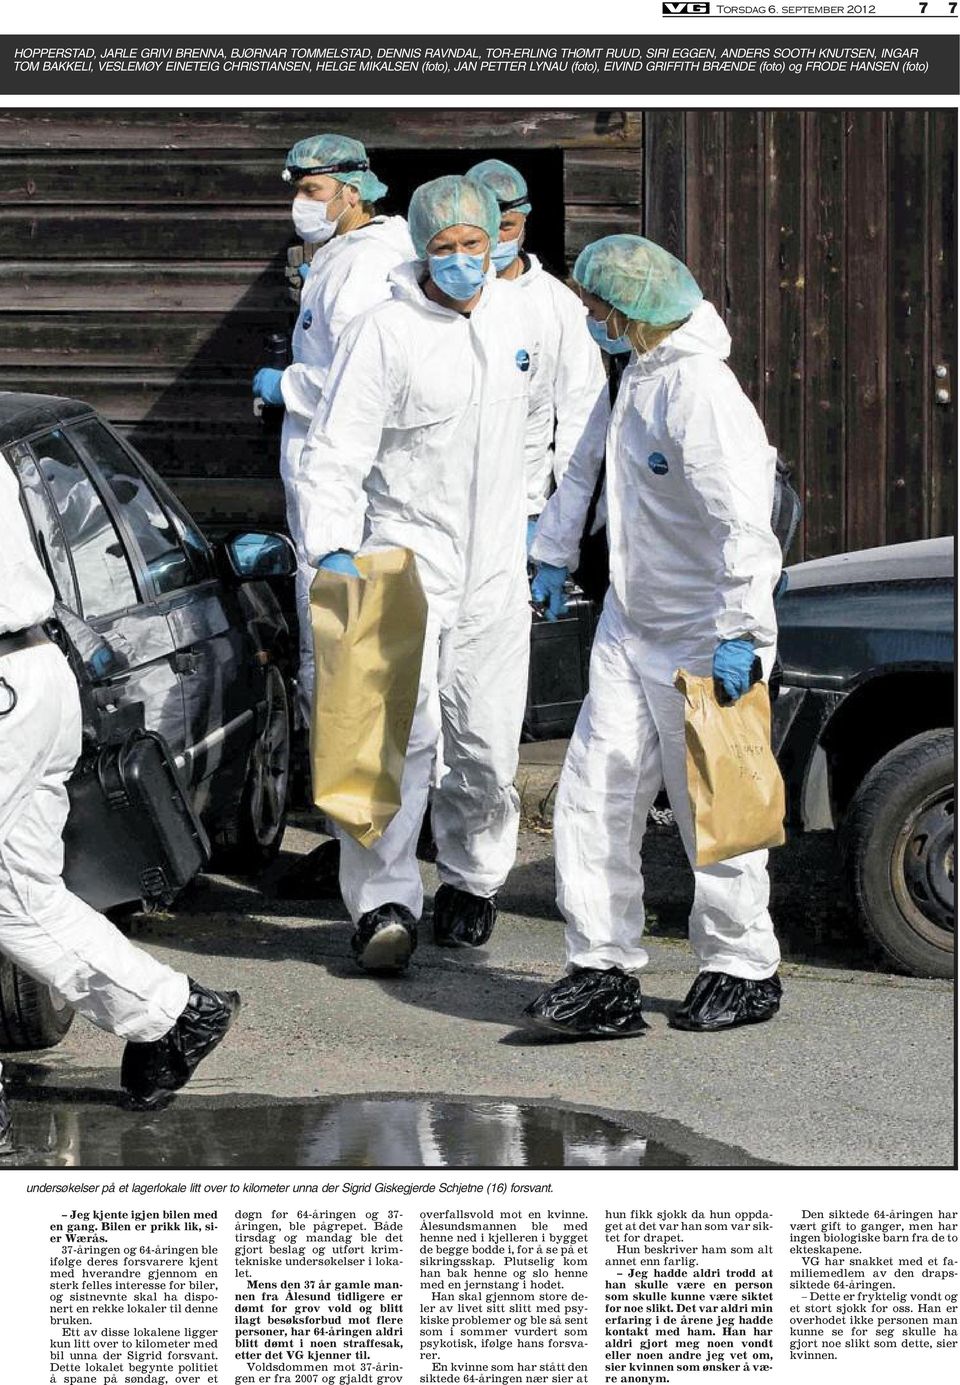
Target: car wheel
{"x": 31, "y": 1016}
{"x": 250, "y": 839}
{"x": 898, "y": 845}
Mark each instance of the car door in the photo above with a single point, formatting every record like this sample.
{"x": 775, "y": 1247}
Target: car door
{"x": 211, "y": 650}
{"x": 128, "y": 648}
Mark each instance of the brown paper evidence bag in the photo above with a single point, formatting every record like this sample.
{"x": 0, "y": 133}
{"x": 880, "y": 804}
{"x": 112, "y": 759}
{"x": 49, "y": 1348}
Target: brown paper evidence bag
{"x": 734, "y": 782}
{"x": 368, "y": 637}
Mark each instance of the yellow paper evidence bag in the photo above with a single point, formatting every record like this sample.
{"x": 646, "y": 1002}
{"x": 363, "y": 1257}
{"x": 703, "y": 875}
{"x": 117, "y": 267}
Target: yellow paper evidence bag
{"x": 734, "y": 782}
{"x": 368, "y": 639}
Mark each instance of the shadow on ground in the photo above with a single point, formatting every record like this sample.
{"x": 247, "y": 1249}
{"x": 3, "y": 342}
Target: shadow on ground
{"x": 815, "y": 920}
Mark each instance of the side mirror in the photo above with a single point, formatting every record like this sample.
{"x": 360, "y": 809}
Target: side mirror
{"x": 252, "y": 555}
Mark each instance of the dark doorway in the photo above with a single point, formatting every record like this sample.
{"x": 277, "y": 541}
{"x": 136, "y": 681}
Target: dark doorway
{"x": 405, "y": 169}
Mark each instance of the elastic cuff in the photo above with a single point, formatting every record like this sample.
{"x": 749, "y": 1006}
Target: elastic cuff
{"x": 743, "y": 971}
{"x": 542, "y": 551}
{"x": 174, "y": 1004}
{"x": 604, "y": 959}
{"x": 457, "y": 882}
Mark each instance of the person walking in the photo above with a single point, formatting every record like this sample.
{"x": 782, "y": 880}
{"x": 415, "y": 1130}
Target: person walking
{"x": 571, "y": 362}
{"x": 420, "y": 442}
{"x": 335, "y": 209}
{"x": 694, "y": 563}
{"x": 170, "y": 1023}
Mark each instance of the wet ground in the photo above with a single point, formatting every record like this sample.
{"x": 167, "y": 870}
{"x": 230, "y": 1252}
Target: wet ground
{"x": 62, "y": 1127}
{"x": 856, "y": 1070}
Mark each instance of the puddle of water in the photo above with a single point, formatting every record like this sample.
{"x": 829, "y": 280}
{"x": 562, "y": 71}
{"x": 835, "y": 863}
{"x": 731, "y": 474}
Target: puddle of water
{"x": 59, "y": 1129}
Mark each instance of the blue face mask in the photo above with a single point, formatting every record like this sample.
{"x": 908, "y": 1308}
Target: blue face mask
{"x": 615, "y": 346}
{"x": 504, "y": 253}
{"x": 459, "y": 276}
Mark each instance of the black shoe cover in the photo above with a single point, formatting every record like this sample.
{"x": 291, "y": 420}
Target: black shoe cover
{"x": 718, "y": 1001}
{"x": 459, "y": 917}
{"x": 6, "y": 1123}
{"x": 150, "y": 1073}
{"x": 314, "y": 876}
{"x": 590, "y": 1003}
{"x": 385, "y": 939}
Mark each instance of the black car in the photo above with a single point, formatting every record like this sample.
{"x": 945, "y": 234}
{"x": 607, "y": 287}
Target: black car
{"x": 165, "y": 630}
{"x": 864, "y": 731}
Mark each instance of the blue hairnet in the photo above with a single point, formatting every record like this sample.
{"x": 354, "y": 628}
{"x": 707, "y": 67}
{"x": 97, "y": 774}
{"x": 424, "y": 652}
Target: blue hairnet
{"x": 451, "y": 201}
{"x": 639, "y": 278}
{"x": 324, "y": 152}
{"x": 506, "y": 183}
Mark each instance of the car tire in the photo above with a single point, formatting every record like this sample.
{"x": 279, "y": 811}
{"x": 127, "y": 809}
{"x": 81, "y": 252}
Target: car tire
{"x": 249, "y": 839}
{"x": 898, "y": 846}
{"x": 31, "y": 1016}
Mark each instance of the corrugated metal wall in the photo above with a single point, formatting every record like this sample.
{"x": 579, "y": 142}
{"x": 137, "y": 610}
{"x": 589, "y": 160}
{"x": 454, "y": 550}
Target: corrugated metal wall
{"x": 141, "y": 255}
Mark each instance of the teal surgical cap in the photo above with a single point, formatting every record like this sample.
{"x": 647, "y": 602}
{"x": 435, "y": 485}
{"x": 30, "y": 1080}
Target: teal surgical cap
{"x": 639, "y": 278}
{"x": 451, "y": 201}
{"x": 508, "y": 185}
{"x": 338, "y": 157}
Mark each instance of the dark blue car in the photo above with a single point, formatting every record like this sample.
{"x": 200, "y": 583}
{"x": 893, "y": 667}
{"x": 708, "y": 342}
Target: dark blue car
{"x": 165, "y": 630}
{"x": 864, "y": 733}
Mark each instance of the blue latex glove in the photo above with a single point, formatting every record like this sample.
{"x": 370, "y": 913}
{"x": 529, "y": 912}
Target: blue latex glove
{"x": 547, "y": 586}
{"x": 732, "y": 665}
{"x": 339, "y": 562}
{"x": 266, "y": 385}
{"x": 531, "y": 529}
{"x": 303, "y": 270}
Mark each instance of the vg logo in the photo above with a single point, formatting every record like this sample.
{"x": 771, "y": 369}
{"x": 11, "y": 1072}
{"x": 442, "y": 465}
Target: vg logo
{"x": 672, "y": 7}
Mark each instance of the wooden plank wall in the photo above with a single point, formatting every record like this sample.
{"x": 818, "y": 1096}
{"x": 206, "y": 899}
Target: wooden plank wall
{"x": 828, "y": 241}
{"x": 141, "y": 254}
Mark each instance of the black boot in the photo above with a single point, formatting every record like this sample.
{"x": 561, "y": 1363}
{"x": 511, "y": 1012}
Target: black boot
{"x": 459, "y": 917}
{"x": 719, "y": 1001}
{"x": 151, "y": 1072}
{"x": 590, "y": 1003}
{"x": 6, "y": 1120}
{"x": 385, "y": 939}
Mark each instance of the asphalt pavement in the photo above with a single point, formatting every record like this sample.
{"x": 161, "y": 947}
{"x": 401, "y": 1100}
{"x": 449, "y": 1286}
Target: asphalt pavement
{"x": 856, "y": 1069}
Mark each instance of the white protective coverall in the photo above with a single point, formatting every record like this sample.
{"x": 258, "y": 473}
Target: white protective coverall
{"x": 347, "y": 276}
{"x": 50, "y": 933}
{"x": 693, "y": 561}
{"x": 426, "y": 416}
{"x": 572, "y": 365}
